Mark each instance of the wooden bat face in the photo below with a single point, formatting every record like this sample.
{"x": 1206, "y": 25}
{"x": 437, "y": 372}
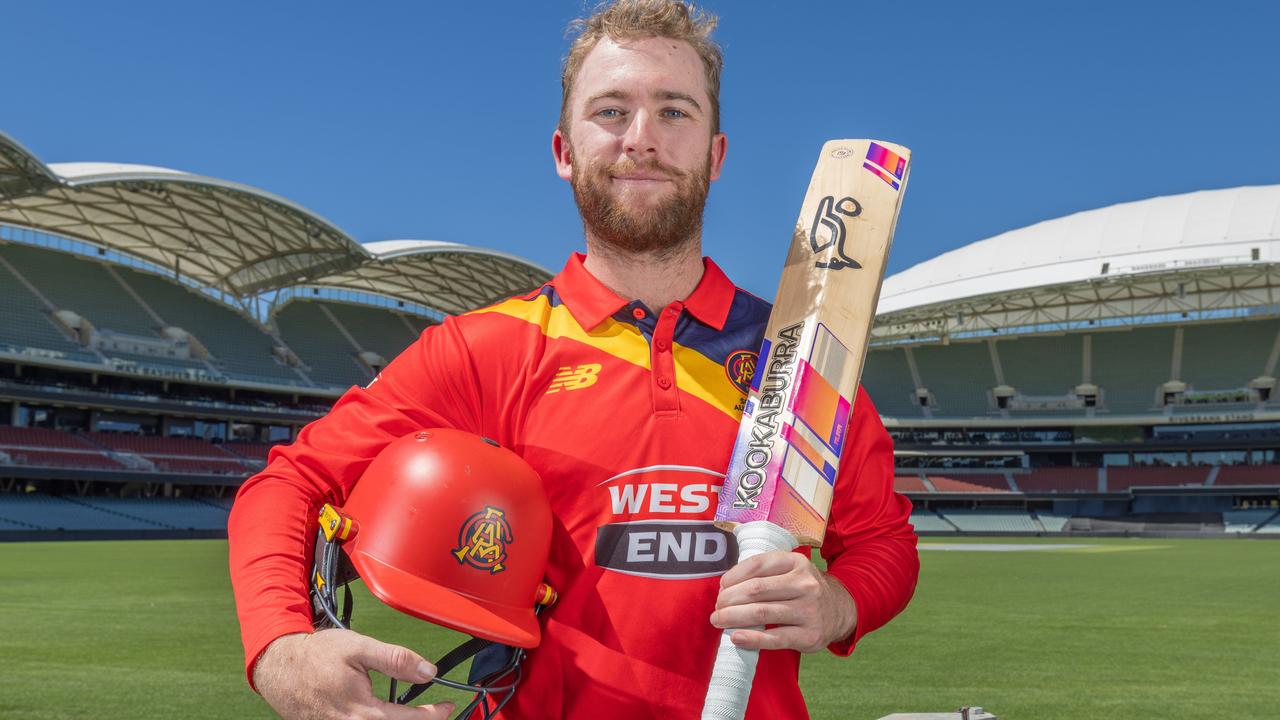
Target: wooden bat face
{"x": 787, "y": 452}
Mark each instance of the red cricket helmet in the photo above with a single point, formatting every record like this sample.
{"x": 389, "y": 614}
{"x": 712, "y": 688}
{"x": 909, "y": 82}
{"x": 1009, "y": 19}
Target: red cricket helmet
{"x": 448, "y": 527}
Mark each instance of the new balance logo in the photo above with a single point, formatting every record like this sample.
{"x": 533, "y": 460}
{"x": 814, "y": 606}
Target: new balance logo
{"x": 569, "y": 377}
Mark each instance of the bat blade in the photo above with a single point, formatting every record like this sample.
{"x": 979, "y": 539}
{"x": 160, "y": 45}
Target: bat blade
{"x": 786, "y": 458}
{"x": 787, "y": 453}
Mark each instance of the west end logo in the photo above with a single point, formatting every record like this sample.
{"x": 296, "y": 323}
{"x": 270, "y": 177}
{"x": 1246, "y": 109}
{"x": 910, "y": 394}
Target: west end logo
{"x": 741, "y": 367}
{"x": 482, "y": 541}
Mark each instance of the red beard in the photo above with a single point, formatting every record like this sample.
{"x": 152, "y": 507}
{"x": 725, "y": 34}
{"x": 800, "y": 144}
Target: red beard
{"x": 658, "y": 230}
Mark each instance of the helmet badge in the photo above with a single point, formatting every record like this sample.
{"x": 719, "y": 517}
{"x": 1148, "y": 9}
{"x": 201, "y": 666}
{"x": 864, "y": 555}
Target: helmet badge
{"x": 482, "y": 541}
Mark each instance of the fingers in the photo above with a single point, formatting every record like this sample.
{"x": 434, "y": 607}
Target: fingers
{"x": 762, "y": 565}
{"x": 438, "y": 711}
{"x": 757, "y": 615}
{"x": 799, "y": 580}
{"x": 391, "y": 660}
{"x": 787, "y": 637}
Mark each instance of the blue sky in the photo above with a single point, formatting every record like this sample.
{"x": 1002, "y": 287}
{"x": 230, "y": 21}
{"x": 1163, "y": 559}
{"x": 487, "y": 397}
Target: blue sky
{"x": 433, "y": 120}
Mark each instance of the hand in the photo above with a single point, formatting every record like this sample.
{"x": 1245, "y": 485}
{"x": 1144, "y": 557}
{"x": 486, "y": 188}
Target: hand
{"x": 809, "y": 608}
{"x": 324, "y": 675}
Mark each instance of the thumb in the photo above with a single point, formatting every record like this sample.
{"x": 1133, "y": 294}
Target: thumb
{"x": 394, "y": 661}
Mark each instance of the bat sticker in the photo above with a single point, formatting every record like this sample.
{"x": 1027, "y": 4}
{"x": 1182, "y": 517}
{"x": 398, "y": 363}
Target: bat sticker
{"x": 828, "y": 216}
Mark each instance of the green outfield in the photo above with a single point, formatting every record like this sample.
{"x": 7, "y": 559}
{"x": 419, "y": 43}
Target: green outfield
{"x": 1122, "y": 629}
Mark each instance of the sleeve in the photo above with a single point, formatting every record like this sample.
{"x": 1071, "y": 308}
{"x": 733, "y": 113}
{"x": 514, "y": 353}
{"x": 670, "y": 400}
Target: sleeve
{"x": 870, "y": 546}
{"x": 433, "y": 383}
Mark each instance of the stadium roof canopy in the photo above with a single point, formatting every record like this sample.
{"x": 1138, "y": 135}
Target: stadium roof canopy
{"x": 450, "y": 277}
{"x": 1200, "y": 252}
{"x": 240, "y": 239}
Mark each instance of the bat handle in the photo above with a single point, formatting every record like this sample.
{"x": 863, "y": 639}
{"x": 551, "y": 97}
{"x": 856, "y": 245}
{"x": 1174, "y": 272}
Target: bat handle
{"x": 735, "y": 667}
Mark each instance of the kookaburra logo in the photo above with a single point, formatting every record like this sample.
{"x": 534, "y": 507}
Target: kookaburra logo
{"x": 774, "y": 389}
{"x": 828, "y": 216}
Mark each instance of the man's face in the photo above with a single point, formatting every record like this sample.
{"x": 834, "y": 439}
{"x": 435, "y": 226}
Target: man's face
{"x": 640, "y": 153}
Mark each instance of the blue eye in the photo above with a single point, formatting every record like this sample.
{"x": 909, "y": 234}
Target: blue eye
{"x": 609, "y": 113}
{"x": 674, "y": 113}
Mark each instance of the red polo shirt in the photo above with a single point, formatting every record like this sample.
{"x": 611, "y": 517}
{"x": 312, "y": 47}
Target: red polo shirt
{"x": 628, "y": 415}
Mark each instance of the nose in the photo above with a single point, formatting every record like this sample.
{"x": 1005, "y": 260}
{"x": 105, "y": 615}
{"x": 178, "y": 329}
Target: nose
{"x": 640, "y": 139}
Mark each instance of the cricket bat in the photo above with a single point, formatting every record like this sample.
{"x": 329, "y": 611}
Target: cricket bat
{"x": 786, "y": 458}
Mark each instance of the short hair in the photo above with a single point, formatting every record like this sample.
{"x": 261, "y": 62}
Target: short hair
{"x": 639, "y": 19}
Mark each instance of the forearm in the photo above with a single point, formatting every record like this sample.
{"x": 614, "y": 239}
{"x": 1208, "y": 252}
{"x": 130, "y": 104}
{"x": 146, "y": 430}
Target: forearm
{"x": 880, "y": 577}
{"x": 269, "y": 535}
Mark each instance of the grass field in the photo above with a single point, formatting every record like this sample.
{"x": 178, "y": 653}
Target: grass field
{"x": 1125, "y": 629}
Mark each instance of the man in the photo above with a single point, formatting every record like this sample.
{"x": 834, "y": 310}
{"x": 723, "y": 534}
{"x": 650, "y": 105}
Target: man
{"x": 620, "y": 383}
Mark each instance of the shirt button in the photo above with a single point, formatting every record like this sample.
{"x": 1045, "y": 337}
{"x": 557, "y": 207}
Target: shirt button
{"x": 662, "y": 345}
{"x": 664, "y": 383}
{"x": 638, "y": 313}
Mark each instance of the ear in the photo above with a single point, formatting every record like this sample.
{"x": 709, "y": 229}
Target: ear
{"x": 563, "y": 154}
{"x": 719, "y": 145}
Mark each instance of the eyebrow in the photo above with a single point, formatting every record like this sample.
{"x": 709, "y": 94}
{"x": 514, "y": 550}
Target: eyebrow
{"x": 662, "y": 95}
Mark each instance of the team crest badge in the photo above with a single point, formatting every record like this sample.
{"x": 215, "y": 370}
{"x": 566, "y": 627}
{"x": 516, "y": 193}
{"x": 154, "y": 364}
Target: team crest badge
{"x": 740, "y": 367}
{"x": 482, "y": 541}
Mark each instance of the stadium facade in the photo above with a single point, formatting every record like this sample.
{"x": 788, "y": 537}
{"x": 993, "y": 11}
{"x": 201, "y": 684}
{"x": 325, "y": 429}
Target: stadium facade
{"x": 1113, "y": 370}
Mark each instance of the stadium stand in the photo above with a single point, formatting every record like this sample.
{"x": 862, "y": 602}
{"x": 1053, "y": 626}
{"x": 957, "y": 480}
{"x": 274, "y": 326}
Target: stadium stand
{"x": 959, "y": 376}
{"x": 27, "y": 324}
{"x": 176, "y": 513}
{"x": 330, "y": 358}
{"x": 1223, "y": 356}
{"x": 1052, "y": 522}
{"x": 1059, "y": 479}
{"x": 1041, "y": 366}
{"x": 82, "y": 286}
{"x": 980, "y": 521}
{"x": 969, "y": 483}
{"x": 1245, "y": 521}
{"x": 48, "y": 512}
{"x": 375, "y": 329}
{"x": 925, "y": 521}
{"x": 887, "y": 379}
{"x": 1123, "y": 478}
{"x": 908, "y": 484}
{"x": 1248, "y": 475}
{"x": 237, "y": 346}
{"x": 1130, "y": 365}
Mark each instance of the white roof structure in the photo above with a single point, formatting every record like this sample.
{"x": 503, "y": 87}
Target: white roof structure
{"x": 1096, "y": 264}
{"x": 240, "y": 239}
{"x": 447, "y": 276}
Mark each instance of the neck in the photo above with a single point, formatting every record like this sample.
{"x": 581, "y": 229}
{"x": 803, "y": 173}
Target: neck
{"x": 656, "y": 280}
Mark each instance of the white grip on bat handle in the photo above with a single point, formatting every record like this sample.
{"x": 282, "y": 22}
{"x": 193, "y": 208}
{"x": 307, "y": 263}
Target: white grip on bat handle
{"x": 735, "y": 667}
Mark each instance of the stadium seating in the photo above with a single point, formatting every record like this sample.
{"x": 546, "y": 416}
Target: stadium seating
{"x": 908, "y": 484}
{"x": 55, "y": 513}
{"x": 1248, "y": 475}
{"x": 1123, "y": 478}
{"x": 1130, "y": 365}
{"x": 331, "y": 359}
{"x": 42, "y": 447}
{"x": 27, "y": 323}
{"x": 1059, "y": 479}
{"x": 924, "y": 521}
{"x": 177, "y": 513}
{"x": 1223, "y": 356}
{"x": 887, "y": 380}
{"x": 991, "y": 520}
{"x": 969, "y": 483}
{"x": 83, "y": 286}
{"x": 959, "y": 376}
{"x": 238, "y": 347}
{"x": 1042, "y": 366}
{"x": 1244, "y": 521}
{"x": 249, "y": 451}
{"x": 1053, "y": 523}
{"x": 375, "y": 329}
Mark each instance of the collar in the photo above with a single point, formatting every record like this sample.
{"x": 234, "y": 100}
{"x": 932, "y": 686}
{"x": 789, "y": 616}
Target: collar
{"x": 590, "y": 302}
